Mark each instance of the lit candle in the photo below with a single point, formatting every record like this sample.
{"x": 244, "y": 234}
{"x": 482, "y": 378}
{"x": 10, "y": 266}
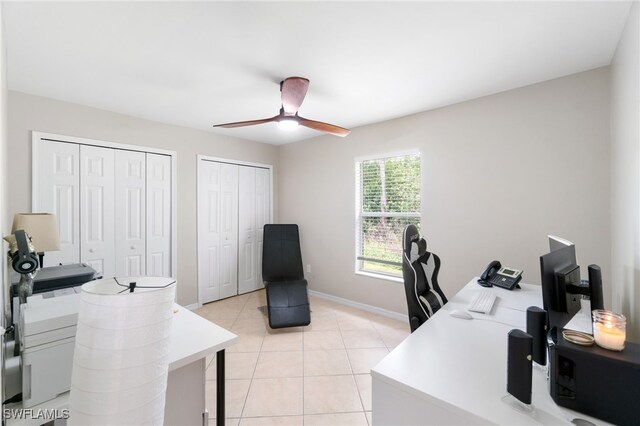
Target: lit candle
{"x": 609, "y": 330}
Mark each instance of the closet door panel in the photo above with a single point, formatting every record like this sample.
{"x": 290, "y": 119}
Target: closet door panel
{"x": 229, "y": 230}
{"x": 209, "y": 234}
{"x": 97, "y": 189}
{"x": 263, "y": 216}
{"x": 158, "y": 215}
{"x": 58, "y": 192}
{"x": 246, "y": 229}
{"x": 130, "y": 213}
{"x": 217, "y": 230}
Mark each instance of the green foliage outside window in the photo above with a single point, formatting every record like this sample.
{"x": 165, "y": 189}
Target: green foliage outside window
{"x": 401, "y": 176}
{"x": 390, "y": 191}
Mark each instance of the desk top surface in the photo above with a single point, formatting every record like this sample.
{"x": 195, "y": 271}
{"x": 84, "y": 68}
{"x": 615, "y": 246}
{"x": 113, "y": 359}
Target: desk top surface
{"x": 462, "y": 364}
{"x": 192, "y": 338}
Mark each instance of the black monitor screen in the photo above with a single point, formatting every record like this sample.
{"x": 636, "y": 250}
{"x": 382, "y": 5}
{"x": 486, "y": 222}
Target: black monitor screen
{"x": 550, "y": 264}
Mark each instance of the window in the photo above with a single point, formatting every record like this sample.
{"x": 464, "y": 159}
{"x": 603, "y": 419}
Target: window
{"x": 387, "y": 199}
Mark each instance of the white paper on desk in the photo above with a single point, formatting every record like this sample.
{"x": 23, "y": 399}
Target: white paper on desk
{"x": 580, "y": 322}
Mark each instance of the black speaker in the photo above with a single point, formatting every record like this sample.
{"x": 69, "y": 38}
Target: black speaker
{"x": 595, "y": 287}
{"x": 537, "y": 328}
{"x": 23, "y": 260}
{"x": 519, "y": 346}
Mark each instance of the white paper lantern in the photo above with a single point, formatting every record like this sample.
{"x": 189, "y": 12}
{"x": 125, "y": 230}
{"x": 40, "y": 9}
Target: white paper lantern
{"x": 121, "y": 358}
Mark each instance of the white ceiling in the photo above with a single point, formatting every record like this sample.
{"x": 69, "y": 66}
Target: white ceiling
{"x": 203, "y": 63}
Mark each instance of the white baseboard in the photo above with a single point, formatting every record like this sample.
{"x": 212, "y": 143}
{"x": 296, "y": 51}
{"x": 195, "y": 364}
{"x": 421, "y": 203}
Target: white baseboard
{"x": 363, "y": 306}
{"x": 342, "y": 301}
{"x": 192, "y": 306}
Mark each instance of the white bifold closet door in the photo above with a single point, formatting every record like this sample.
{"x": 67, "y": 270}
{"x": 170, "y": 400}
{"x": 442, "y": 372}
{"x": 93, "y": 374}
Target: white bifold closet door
{"x": 130, "y": 213}
{"x": 114, "y": 206}
{"x": 253, "y": 214}
{"x": 58, "y": 187}
{"x": 233, "y": 206}
{"x": 97, "y": 189}
{"x": 217, "y": 230}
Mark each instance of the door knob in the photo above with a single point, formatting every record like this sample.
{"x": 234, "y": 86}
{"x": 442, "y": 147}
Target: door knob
{"x": 133, "y": 247}
{"x": 91, "y": 250}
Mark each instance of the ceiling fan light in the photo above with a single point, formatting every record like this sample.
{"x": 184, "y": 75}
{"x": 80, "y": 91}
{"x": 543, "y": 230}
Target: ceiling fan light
{"x": 287, "y": 124}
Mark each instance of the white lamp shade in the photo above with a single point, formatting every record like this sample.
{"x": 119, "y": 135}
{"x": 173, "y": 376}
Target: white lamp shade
{"x": 41, "y": 227}
{"x": 121, "y": 358}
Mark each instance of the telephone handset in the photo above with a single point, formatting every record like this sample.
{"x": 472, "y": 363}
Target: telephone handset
{"x": 495, "y": 274}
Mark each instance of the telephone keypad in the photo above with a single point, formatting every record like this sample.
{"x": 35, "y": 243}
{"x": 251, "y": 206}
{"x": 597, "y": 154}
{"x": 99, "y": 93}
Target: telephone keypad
{"x": 497, "y": 280}
{"x": 504, "y": 282}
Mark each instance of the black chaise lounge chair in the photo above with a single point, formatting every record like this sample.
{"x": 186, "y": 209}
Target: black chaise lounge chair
{"x": 283, "y": 277}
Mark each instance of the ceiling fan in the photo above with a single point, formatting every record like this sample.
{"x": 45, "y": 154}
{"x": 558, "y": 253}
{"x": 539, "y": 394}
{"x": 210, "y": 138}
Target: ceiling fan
{"x": 293, "y": 91}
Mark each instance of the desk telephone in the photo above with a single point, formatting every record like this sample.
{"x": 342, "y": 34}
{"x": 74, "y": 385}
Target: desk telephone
{"x": 496, "y": 275}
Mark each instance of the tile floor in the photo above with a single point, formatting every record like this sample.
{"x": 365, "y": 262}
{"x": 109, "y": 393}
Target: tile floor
{"x": 314, "y": 375}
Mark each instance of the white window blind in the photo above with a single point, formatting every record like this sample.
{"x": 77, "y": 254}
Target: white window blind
{"x": 387, "y": 199}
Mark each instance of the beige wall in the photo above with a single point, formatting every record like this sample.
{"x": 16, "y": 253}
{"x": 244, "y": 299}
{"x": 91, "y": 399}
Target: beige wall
{"x": 544, "y": 149}
{"x": 499, "y": 174}
{"x": 32, "y": 113}
{"x": 625, "y": 175}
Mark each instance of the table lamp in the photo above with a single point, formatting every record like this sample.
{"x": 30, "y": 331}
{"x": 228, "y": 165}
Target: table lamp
{"x": 42, "y": 228}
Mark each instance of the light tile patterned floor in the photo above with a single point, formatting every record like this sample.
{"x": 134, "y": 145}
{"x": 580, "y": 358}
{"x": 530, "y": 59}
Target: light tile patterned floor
{"x": 314, "y": 375}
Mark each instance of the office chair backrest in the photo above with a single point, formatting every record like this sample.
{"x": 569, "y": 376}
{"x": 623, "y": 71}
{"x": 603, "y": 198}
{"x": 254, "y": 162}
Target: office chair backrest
{"x": 281, "y": 257}
{"x": 420, "y": 272}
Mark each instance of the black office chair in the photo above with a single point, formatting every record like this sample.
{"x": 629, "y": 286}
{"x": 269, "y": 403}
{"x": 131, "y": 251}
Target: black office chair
{"x": 287, "y": 297}
{"x": 420, "y": 272}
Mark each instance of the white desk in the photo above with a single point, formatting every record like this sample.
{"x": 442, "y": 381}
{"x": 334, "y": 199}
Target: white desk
{"x": 193, "y": 338}
{"x": 453, "y": 371}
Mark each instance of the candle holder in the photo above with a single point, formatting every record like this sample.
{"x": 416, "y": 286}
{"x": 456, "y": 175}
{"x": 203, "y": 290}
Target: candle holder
{"x": 609, "y": 329}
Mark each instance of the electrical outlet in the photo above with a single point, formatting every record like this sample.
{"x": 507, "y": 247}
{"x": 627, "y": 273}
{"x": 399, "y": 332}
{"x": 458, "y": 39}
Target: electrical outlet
{"x": 308, "y": 268}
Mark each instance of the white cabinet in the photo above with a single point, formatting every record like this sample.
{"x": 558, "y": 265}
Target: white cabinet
{"x": 114, "y": 205}
{"x": 233, "y": 206}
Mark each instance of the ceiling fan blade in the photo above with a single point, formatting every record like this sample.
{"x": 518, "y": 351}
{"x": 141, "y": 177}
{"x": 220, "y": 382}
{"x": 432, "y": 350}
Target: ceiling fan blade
{"x": 247, "y": 123}
{"x": 293, "y": 89}
{"x": 324, "y": 127}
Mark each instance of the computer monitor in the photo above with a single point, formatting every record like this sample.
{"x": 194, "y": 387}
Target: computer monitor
{"x": 556, "y": 243}
{"x": 552, "y": 264}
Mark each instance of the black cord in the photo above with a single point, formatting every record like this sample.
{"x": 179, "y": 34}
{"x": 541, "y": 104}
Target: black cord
{"x": 132, "y": 286}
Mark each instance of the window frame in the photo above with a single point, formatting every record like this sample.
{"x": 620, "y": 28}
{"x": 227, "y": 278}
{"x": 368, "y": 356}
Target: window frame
{"x": 359, "y": 214}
